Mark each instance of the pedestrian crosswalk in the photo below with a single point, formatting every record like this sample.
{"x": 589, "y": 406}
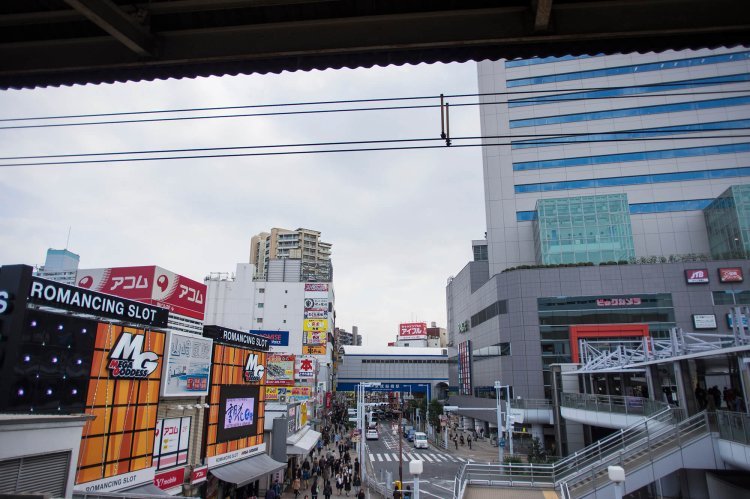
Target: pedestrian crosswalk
{"x": 431, "y": 457}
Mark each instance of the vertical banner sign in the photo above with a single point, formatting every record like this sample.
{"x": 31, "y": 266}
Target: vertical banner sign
{"x": 306, "y": 368}
{"x": 464, "y": 368}
{"x": 315, "y": 322}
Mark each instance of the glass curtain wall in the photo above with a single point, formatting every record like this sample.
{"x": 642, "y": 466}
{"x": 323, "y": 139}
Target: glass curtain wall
{"x": 583, "y": 229}
{"x": 728, "y": 223}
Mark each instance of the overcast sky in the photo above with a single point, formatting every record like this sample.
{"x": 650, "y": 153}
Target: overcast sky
{"x": 401, "y": 222}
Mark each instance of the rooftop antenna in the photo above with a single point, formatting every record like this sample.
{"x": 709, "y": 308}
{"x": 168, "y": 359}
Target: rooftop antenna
{"x": 67, "y": 241}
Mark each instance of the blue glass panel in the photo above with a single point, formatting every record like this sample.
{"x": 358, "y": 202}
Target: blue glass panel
{"x": 631, "y": 111}
{"x": 525, "y": 216}
{"x": 544, "y": 60}
{"x": 686, "y": 152}
{"x": 634, "y": 90}
{"x": 667, "y": 206}
{"x": 632, "y": 134}
{"x": 631, "y": 69}
{"x": 639, "y": 208}
{"x": 633, "y": 180}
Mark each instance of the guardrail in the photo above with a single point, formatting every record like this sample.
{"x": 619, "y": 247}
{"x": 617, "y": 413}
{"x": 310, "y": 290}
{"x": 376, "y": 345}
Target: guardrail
{"x": 734, "y": 426}
{"x": 664, "y": 427}
{"x": 638, "y": 406}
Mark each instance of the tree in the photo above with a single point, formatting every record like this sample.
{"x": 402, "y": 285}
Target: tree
{"x": 536, "y": 452}
{"x": 436, "y": 410}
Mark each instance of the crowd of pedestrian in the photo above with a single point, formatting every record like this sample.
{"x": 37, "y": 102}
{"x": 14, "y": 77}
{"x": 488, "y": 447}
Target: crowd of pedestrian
{"x": 329, "y": 466}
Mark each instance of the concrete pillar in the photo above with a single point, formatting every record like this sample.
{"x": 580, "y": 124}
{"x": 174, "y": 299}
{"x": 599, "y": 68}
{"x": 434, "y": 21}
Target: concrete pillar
{"x": 653, "y": 388}
{"x": 744, "y": 372}
{"x": 685, "y": 392}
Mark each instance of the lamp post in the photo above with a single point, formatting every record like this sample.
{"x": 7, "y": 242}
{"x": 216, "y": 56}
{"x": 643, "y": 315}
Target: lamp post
{"x": 361, "y": 423}
{"x": 500, "y": 448}
{"x": 508, "y": 418}
{"x": 415, "y": 468}
{"x": 617, "y": 475}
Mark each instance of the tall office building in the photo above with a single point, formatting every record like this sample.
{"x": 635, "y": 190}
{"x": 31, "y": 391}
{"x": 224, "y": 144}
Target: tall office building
{"x": 60, "y": 265}
{"x": 302, "y": 244}
{"x": 613, "y": 157}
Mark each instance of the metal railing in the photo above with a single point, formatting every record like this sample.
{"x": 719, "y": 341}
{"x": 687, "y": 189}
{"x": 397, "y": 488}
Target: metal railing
{"x": 656, "y": 435}
{"x": 531, "y": 404}
{"x": 638, "y": 406}
{"x": 734, "y": 426}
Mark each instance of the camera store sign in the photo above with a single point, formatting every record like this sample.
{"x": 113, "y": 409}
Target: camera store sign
{"x": 618, "y": 302}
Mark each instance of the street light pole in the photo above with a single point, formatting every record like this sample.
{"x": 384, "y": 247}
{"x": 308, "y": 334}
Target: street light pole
{"x": 500, "y": 448}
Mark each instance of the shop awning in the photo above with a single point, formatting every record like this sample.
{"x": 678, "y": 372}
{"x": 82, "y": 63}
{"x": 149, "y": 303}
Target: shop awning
{"x": 304, "y": 444}
{"x": 248, "y": 470}
{"x": 147, "y": 489}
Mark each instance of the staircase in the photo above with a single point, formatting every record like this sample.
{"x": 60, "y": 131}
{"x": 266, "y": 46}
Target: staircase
{"x": 648, "y": 450}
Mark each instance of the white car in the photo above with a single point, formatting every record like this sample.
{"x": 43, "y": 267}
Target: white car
{"x": 420, "y": 440}
{"x": 371, "y": 434}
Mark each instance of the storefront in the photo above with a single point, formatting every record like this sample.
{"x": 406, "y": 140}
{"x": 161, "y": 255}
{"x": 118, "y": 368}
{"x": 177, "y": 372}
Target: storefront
{"x": 69, "y": 350}
{"x": 234, "y": 447}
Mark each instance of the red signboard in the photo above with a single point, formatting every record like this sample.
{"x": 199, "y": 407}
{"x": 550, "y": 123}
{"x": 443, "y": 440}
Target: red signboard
{"x": 150, "y": 284}
{"x": 731, "y": 274}
{"x": 199, "y": 474}
{"x": 696, "y": 276}
{"x": 413, "y": 330}
{"x": 169, "y": 479}
{"x": 328, "y": 400}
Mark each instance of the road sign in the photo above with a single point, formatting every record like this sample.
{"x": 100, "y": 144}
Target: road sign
{"x": 502, "y": 442}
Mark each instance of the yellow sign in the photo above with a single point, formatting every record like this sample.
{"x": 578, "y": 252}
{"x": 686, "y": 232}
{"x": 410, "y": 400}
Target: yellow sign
{"x": 303, "y": 414}
{"x": 272, "y": 393}
{"x": 316, "y": 338}
{"x": 315, "y": 325}
{"x": 313, "y": 349}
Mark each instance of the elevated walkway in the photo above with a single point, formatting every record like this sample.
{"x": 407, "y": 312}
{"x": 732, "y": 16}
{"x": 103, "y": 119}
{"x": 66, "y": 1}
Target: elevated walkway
{"x": 608, "y": 411}
{"x": 734, "y": 438}
{"x": 648, "y": 450}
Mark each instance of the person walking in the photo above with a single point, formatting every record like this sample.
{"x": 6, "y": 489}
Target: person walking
{"x": 339, "y": 483}
{"x": 455, "y": 441}
{"x": 327, "y": 490}
{"x": 347, "y": 484}
{"x": 314, "y": 488}
{"x": 361, "y": 494}
{"x": 407, "y": 492}
{"x": 468, "y": 441}
{"x": 295, "y": 487}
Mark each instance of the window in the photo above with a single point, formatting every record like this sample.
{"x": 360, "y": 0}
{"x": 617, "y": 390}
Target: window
{"x": 499, "y": 307}
{"x": 261, "y": 290}
{"x": 731, "y": 297}
{"x": 633, "y": 180}
{"x": 630, "y": 111}
{"x": 632, "y": 134}
{"x": 286, "y": 291}
{"x": 630, "y": 69}
{"x": 634, "y": 90}
{"x": 260, "y": 305}
{"x": 284, "y": 321}
{"x": 259, "y": 320}
{"x": 284, "y": 306}
{"x": 639, "y": 208}
{"x": 686, "y": 152}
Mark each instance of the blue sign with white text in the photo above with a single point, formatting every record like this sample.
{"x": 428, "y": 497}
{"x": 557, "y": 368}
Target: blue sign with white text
{"x": 276, "y": 338}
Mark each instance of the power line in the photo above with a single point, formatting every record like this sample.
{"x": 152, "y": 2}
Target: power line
{"x": 558, "y": 98}
{"x": 325, "y": 151}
